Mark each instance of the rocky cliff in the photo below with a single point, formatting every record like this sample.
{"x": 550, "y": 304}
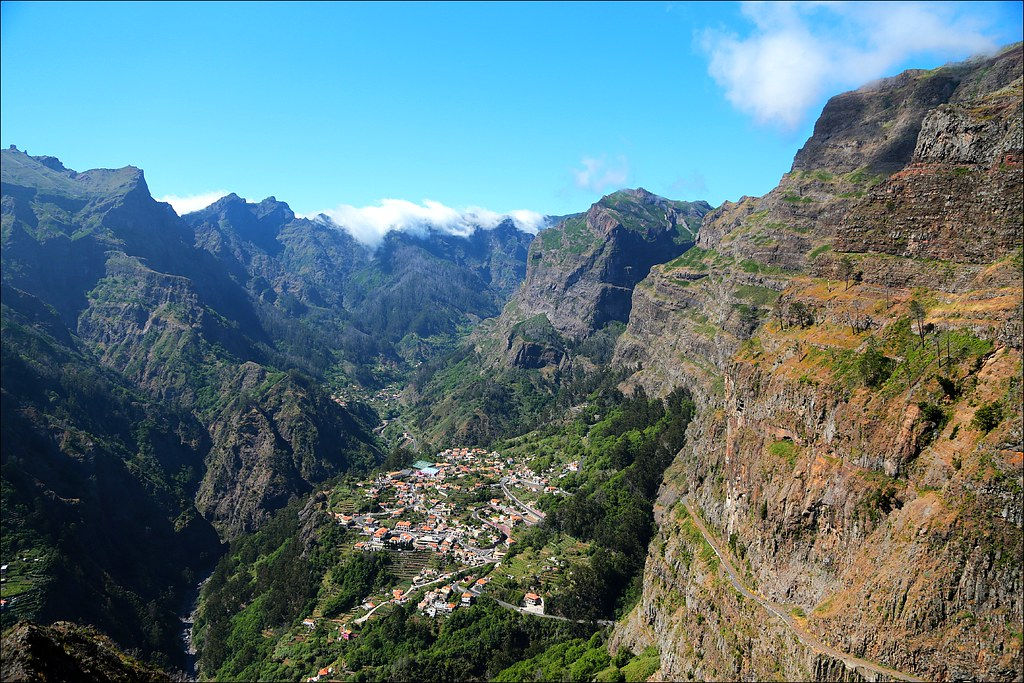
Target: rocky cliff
{"x": 173, "y": 320}
{"x": 581, "y": 274}
{"x": 561, "y": 322}
{"x": 66, "y": 652}
{"x": 99, "y": 520}
{"x": 853, "y": 339}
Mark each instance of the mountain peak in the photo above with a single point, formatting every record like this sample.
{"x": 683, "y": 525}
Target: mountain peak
{"x": 48, "y": 173}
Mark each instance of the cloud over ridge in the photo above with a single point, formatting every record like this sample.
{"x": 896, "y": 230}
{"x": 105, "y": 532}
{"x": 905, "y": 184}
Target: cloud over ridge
{"x": 796, "y": 52}
{"x": 369, "y": 224}
{"x": 194, "y": 202}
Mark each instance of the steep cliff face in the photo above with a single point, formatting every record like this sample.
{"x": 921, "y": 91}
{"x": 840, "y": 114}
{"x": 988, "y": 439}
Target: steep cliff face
{"x": 581, "y": 274}
{"x": 276, "y": 436}
{"x": 99, "y": 523}
{"x": 166, "y": 315}
{"x": 562, "y": 321}
{"x": 966, "y": 148}
{"x": 853, "y": 340}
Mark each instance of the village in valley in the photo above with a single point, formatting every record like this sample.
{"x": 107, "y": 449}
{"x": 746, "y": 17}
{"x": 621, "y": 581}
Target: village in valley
{"x": 449, "y": 526}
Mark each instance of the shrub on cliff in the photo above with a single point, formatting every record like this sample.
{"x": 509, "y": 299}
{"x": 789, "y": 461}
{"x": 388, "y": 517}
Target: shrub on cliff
{"x": 873, "y": 366}
{"x": 988, "y": 417}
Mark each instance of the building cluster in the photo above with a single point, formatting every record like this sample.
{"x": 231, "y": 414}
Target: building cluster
{"x": 450, "y": 597}
{"x": 464, "y": 506}
{"x": 416, "y": 512}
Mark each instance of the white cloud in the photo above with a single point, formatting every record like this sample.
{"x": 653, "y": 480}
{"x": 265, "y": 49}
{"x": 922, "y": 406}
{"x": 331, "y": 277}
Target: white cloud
{"x": 797, "y": 52}
{"x": 190, "y": 203}
{"x": 598, "y": 174}
{"x": 369, "y": 224}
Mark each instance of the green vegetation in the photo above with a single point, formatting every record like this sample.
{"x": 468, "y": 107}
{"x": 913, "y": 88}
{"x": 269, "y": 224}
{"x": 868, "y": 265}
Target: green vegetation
{"x": 464, "y": 403}
{"x": 642, "y": 667}
{"x": 572, "y": 235}
{"x": 474, "y": 643}
{"x": 584, "y": 660}
{"x": 818, "y": 251}
{"x": 268, "y": 580}
{"x": 695, "y": 540}
{"x": 119, "y": 542}
{"x": 796, "y": 199}
{"x": 786, "y": 450}
{"x": 862, "y": 177}
{"x": 362, "y": 575}
{"x": 760, "y": 296}
{"x": 624, "y": 456}
{"x": 987, "y": 417}
{"x": 699, "y": 260}
{"x": 538, "y": 329}
{"x": 756, "y": 267}
{"x": 249, "y": 623}
{"x": 573, "y": 660}
{"x": 882, "y": 497}
{"x": 640, "y": 215}
{"x": 873, "y": 366}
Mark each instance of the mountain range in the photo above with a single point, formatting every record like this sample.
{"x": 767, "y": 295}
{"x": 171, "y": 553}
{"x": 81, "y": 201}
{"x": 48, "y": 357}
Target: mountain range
{"x": 846, "y": 503}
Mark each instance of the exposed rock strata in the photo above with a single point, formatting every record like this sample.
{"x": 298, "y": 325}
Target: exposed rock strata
{"x": 897, "y": 536}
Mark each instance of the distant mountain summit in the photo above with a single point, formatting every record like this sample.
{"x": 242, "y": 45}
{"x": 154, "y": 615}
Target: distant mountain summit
{"x": 562, "y": 321}
{"x": 401, "y": 300}
{"x": 581, "y": 273}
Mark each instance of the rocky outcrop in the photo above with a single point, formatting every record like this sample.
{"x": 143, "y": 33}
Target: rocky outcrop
{"x": 877, "y": 127}
{"x": 875, "y": 508}
{"x": 966, "y": 148}
{"x": 99, "y": 522}
{"x": 120, "y": 374}
{"x": 389, "y": 302}
{"x": 67, "y": 652}
{"x": 581, "y": 273}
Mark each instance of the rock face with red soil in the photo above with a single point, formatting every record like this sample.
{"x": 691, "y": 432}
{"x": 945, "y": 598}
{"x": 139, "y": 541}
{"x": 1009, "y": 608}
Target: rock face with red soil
{"x": 837, "y": 452}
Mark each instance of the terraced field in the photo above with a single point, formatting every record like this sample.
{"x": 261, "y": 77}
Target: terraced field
{"x": 408, "y": 563}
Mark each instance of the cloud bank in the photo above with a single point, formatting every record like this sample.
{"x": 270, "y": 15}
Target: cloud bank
{"x": 599, "y": 174}
{"x": 797, "y": 52}
{"x": 190, "y": 203}
{"x": 369, "y": 224}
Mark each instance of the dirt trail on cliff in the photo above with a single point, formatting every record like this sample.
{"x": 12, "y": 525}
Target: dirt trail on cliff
{"x": 781, "y": 610}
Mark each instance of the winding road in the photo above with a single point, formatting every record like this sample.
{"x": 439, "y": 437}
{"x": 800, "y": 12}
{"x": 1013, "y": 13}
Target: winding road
{"x": 782, "y": 612}
{"x": 536, "y": 513}
{"x": 439, "y": 579}
{"x": 523, "y": 610}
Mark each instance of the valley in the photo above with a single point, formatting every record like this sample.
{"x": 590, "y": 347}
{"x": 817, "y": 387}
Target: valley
{"x": 776, "y": 439}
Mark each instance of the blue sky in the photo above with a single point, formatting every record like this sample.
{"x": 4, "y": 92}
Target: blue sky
{"x": 504, "y": 106}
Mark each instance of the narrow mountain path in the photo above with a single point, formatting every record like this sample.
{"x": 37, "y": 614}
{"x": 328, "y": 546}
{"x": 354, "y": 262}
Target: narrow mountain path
{"x": 782, "y": 611}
